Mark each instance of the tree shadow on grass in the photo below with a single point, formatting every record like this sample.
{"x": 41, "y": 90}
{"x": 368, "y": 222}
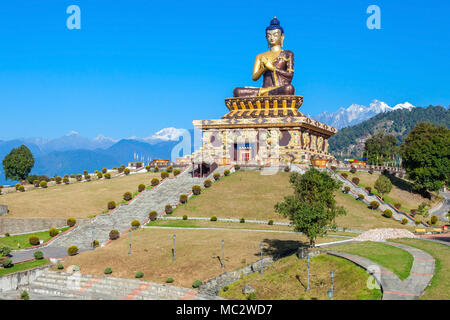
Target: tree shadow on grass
{"x": 280, "y": 248}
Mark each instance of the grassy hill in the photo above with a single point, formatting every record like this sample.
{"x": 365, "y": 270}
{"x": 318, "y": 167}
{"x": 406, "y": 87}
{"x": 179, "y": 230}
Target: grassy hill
{"x": 349, "y": 141}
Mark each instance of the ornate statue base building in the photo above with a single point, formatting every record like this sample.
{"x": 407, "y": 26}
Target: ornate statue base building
{"x": 263, "y": 131}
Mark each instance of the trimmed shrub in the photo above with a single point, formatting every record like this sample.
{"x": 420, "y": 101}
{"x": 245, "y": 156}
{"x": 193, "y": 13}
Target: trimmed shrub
{"x": 104, "y": 170}
{"x": 6, "y": 262}
{"x": 176, "y": 172}
{"x": 237, "y": 167}
{"x": 387, "y": 213}
{"x": 270, "y": 223}
{"x": 155, "y": 182}
{"x": 114, "y": 234}
{"x": 72, "y": 250}
{"x": 346, "y": 189}
{"x": 374, "y": 205}
{"x": 404, "y": 221}
{"x": 127, "y": 196}
{"x": 216, "y": 176}
{"x": 344, "y": 175}
{"x": 225, "y": 289}
{"x": 226, "y": 172}
{"x": 168, "y": 209}
{"x": 355, "y": 180}
{"x": 196, "y": 189}
{"x": 141, "y": 187}
{"x": 24, "y": 295}
{"x": 36, "y": 183}
{"x": 7, "y": 234}
{"x": 207, "y": 183}
{"x": 107, "y": 270}
{"x": 183, "y": 198}
{"x": 251, "y": 296}
{"x": 60, "y": 266}
{"x": 164, "y": 175}
{"x": 242, "y": 220}
{"x": 287, "y": 169}
{"x": 17, "y": 186}
{"x": 21, "y": 188}
{"x": 71, "y": 222}
{"x": 333, "y": 168}
{"x": 433, "y": 219}
{"x": 397, "y": 205}
{"x": 169, "y": 169}
{"x": 99, "y": 175}
{"x": 213, "y": 218}
{"x": 147, "y": 168}
{"x": 111, "y": 205}
{"x": 38, "y": 255}
{"x": 135, "y": 223}
{"x": 369, "y": 190}
{"x": 33, "y": 240}
{"x": 79, "y": 177}
{"x": 360, "y": 196}
{"x": 53, "y": 232}
{"x": 196, "y": 284}
{"x": 52, "y": 179}
{"x": 413, "y": 212}
{"x": 121, "y": 169}
{"x": 5, "y": 251}
{"x": 126, "y": 171}
{"x": 107, "y": 175}
{"x": 416, "y": 222}
{"x": 43, "y": 184}
{"x": 139, "y": 275}
{"x": 353, "y": 170}
{"x": 66, "y": 180}
{"x": 58, "y": 179}
{"x": 72, "y": 176}
{"x": 87, "y": 177}
{"x": 169, "y": 280}
{"x": 95, "y": 244}
{"x": 185, "y": 217}
{"x": 153, "y": 215}
{"x": 156, "y": 169}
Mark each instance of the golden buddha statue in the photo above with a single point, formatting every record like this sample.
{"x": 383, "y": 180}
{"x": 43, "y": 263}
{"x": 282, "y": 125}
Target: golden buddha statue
{"x": 276, "y": 66}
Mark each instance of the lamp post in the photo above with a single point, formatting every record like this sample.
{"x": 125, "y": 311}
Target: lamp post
{"x": 307, "y": 260}
{"x": 223, "y": 256}
{"x": 129, "y": 241}
{"x": 261, "y": 251}
{"x": 330, "y": 292}
{"x": 173, "y": 249}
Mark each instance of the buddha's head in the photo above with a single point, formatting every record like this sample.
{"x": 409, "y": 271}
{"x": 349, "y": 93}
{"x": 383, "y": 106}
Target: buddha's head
{"x": 274, "y": 33}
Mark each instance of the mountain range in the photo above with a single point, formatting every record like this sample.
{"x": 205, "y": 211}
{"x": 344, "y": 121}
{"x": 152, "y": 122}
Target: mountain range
{"x": 356, "y": 113}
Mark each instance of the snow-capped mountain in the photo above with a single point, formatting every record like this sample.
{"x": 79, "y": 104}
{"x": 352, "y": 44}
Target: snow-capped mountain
{"x": 356, "y": 113}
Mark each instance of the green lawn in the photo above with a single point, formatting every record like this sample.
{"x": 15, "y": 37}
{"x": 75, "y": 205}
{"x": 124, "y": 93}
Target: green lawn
{"x": 286, "y": 279}
{"x": 397, "y": 260}
{"x": 22, "y": 239}
{"x": 24, "y": 266}
{"x": 440, "y": 284}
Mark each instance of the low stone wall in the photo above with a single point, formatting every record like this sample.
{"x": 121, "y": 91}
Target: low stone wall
{"x": 3, "y": 209}
{"x": 13, "y": 226}
{"x": 15, "y": 280}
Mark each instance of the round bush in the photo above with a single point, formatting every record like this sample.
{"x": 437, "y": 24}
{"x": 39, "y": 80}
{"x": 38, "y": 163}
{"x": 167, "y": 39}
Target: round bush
{"x": 121, "y": 169}
{"x": 72, "y": 250}
{"x": 164, "y": 175}
{"x": 237, "y": 167}
{"x": 169, "y": 169}
{"x": 87, "y": 177}
{"x": 270, "y": 222}
{"x": 95, "y": 244}
{"x": 104, "y": 170}
{"x": 413, "y": 212}
{"x": 213, "y": 218}
{"x": 168, "y": 209}
{"x": 7, "y": 234}
{"x": 226, "y": 172}
{"x": 111, "y": 205}
{"x": 242, "y": 220}
{"x": 38, "y": 255}
{"x": 344, "y": 175}
{"x": 355, "y": 180}
{"x": 71, "y": 222}
{"x": 216, "y": 176}
{"x": 24, "y": 295}
{"x": 21, "y": 188}
{"x": 374, "y": 205}
{"x": 5, "y": 251}
{"x": 404, "y": 221}
{"x": 333, "y": 168}
{"x": 153, "y": 215}
{"x": 141, "y": 187}
{"x": 139, "y": 274}
{"x": 126, "y": 171}
{"x": 196, "y": 284}
{"x": 53, "y": 232}
{"x": 387, "y": 213}
{"x": 346, "y": 189}
{"x": 397, "y": 205}
{"x": 207, "y": 183}
{"x": 434, "y": 219}
{"x": 58, "y": 179}
{"x": 287, "y": 169}
{"x": 156, "y": 169}
{"x": 66, "y": 180}
{"x": 60, "y": 266}
{"x": 17, "y": 186}
{"x": 107, "y": 175}
{"x": 43, "y": 184}
{"x": 416, "y": 222}
{"x": 353, "y": 170}
{"x": 196, "y": 189}
{"x": 135, "y": 223}
{"x": 99, "y": 175}
{"x": 114, "y": 234}
{"x": 147, "y": 168}
{"x": 127, "y": 196}
{"x": 369, "y": 190}
{"x": 79, "y": 177}
{"x": 107, "y": 270}
{"x": 176, "y": 172}
{"x": 36, "y": 183}
{"x": 183, "y": 198}
{"x": 33, "y": 240}
{"x": 185, "y": 217}
{"x": 169, "y": 280}
{"x": 360, "y": 196}
{"x": 251, "y": 296}
{"x": 6, "y": 262}
{"x": 155, "y": 182}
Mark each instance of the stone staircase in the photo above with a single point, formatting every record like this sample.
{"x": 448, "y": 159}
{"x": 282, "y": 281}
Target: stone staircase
{"x": 77, "y": 286}
{"x": 168, "y": 192}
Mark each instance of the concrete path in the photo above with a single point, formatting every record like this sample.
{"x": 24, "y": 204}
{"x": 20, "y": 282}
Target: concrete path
{"x": 442, "y": 209}
{"x": 393, "y": 288}
{"x": 49, "y": 252}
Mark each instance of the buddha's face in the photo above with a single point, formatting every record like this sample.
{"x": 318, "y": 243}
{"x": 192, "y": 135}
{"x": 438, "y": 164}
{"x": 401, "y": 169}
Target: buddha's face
{"x": 274, "y": 37}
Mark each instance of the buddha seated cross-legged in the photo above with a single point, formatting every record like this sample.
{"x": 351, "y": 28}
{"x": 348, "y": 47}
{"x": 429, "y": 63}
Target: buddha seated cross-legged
{"x": 276, "y": 66}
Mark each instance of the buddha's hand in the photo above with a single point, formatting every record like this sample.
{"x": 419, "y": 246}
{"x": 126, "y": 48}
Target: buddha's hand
{"x": 267, "y": 64}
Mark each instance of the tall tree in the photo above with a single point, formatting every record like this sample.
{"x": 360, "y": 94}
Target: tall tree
{"x": 426, "y": 157}
{"x": 380, "y": 148}
{"x": 383, "y": 185}
{"x": 312, "y": 209}
{"x": 18, "y": 163}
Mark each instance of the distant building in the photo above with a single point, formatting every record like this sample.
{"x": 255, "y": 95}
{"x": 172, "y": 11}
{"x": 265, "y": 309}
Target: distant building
{"x": 135, "y": 165}
{"x": 160, "y": 163}
{"x": 186, "y": 160}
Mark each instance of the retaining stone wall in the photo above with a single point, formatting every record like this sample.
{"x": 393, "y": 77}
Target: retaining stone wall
{"x": 3, "y": 209}
{"x": 12, "y": 225}
{"x": 18, "y": 279}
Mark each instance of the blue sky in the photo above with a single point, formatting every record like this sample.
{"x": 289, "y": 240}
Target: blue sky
{"x": 136, "y": 67}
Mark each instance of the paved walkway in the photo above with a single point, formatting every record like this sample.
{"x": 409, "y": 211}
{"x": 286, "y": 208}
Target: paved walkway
{"x": 393, "y": 288}
{"x": 441, "y": 210}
